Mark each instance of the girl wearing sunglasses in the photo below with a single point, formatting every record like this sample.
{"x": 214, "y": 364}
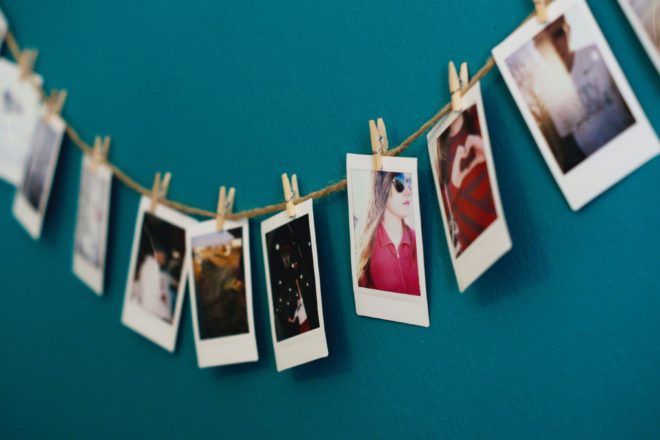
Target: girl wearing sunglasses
{"x": 387, "y": 248}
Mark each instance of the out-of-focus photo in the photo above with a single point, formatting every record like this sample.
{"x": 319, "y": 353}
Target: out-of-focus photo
{"x": 158, "y": 269}
{"x": 219, "y": 279}
{"x": 569, "y": 90}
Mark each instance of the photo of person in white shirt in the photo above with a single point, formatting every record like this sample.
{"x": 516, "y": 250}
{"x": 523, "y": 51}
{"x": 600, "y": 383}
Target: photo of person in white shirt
{"x": 570, "y": 91}
{"x": 159, "y": 267}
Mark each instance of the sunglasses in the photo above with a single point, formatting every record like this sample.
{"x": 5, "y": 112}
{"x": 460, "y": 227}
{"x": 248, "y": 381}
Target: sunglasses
{"x": 400, "y": 182}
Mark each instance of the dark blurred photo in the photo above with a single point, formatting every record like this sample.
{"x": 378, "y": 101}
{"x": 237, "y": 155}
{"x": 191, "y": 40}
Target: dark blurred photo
{"x": 464, "y": 182}
{"x": 158, "y": 270}
{"x": 219, "y": 279}
{"x": 293, "y": 286}
{"x": 569, "y": 90}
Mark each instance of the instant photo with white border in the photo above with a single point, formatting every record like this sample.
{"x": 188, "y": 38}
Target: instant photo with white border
{"x": 492, "y": 242}
{"x": 310, "y": 345}
{"x": 230, "y": 349}
{"x": 92, "y": 177}
{"x": 133, "y": 315}
{"x": 3, "y": 28}
{"x": 39, "y": 173}
{"x": 21, "y": 108}
{"x": 615, "y": 159}
{"x": 642, "y": 33}
{"x": 399, "y": 307}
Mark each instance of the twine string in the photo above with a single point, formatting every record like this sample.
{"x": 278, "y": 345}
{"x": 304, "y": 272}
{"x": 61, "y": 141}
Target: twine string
{"x": 131, "y": 183}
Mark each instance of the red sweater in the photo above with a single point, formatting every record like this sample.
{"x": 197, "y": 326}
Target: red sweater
{"x": 471, "y": 203}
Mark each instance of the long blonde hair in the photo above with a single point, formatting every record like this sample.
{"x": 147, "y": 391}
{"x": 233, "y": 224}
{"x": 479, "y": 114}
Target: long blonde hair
{"x": 381, "y": 185}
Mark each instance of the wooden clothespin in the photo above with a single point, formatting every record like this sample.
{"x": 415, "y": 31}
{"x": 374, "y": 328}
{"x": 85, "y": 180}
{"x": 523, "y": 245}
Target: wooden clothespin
{"x": 54, "y": 102}
{"x": 457, "y": 86}
{"x": 291, "y": 193}
{"x": 379, "y": 143}
{"x": 541, "y": 11}
{"x": 225, "y": 206}
{"x": 26, "y": 62}
{"x": 100, "y": 150}
{"x": 159, "y": 190}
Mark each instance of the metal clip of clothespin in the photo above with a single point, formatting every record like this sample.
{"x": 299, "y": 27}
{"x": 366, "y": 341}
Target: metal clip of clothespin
{"x": 159, "y": 190}
{"x": 457, "y": 85}
{"x": 100, "y": 150}
{"x": 541, "y": 10}
{"x": 26, "y": 62}
{"x": 379, "y": 143}
{"x": 54, "y": 102}
{"x": 291, "y": 193}
{"x": 225, "y": 206}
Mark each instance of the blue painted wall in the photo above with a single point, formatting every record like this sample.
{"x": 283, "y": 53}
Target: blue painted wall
{"x": 560, "y": 339}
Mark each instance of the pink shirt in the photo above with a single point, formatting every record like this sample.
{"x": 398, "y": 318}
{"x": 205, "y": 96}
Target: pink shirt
{"x": 389, "y": 271}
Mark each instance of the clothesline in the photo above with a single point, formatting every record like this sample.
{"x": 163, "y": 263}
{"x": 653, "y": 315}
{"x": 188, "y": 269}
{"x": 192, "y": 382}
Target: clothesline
{"x": 15, "y": 50}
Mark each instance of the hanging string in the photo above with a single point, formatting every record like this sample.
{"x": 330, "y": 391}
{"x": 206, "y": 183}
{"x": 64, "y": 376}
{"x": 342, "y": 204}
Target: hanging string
{"x": 15, "y": 50}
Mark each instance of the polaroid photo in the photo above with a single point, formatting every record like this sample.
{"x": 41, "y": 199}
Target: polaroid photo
{"x": 387, "y": 258}
{"x": 644, "y": 16}
{"x": 20, "y": 108}
{"x": 156, "y": 276}
{"x": 33, "y": 192}
{"x": 466, "y": 183}
{"x": 576, "y": 101}
{"x": 3, "y": 28}
{"x": 221, "y": 293}
{"x": 294, "y": 290}
{"x": 90, "y": 242}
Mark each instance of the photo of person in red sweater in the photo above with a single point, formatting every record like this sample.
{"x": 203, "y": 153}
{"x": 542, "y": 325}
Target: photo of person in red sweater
{"x": 464, "y": 182}
{"x": 387, "y": 247}
{"x": 387, "y": 255}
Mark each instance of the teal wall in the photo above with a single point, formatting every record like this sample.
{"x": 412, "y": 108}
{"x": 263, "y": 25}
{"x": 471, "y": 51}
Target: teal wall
{"x": 560, "y": 339}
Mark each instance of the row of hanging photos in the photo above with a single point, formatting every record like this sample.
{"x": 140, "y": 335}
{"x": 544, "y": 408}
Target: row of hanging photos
{"x": 289, "y": 242}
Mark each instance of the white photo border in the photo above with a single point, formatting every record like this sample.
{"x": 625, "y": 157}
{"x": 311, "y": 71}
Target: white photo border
{"x": 494, "y": 241}
{"x": 620, "y": 156}
{"x": 374, "y": 303}
{"x": 311, "y": 345}
{"x": 134, "y": 316}
{"x": 32, "y": 219}
{"x": 643, "y": 36}
{"x": 223, "y": 350}
{"x": 92, "y": 276}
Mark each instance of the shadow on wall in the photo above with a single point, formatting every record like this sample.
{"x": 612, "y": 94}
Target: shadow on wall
{"x": 523, "y": 266}
{"x": 332, "y": 253}
{"x": 260, "y": 311}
